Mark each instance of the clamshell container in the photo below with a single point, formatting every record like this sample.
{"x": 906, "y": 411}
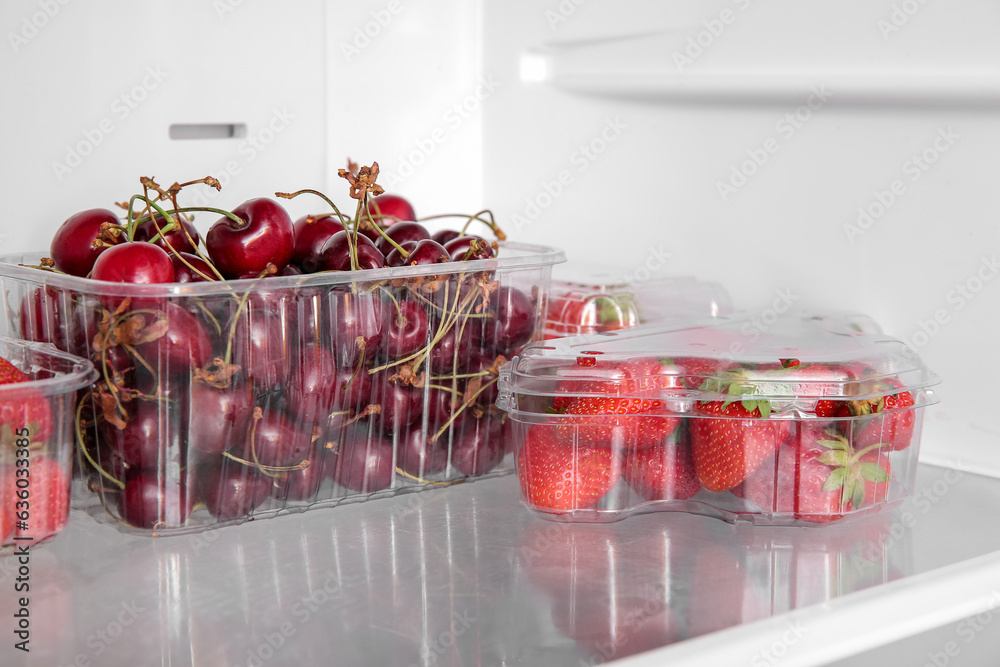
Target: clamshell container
{"x": 36, "y": 440}
{"x": 588, "y": 299}
{"x": 218, "y": 402}
{"x": 811, "y": 419}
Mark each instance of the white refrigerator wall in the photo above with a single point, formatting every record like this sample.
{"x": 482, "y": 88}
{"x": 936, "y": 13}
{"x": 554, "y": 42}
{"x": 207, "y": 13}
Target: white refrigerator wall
{"x": 825, "y": 155}
{"x": 830, "y": 155}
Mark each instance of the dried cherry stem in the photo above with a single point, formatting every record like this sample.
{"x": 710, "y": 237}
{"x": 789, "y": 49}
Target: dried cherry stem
{"x": 461, "y": 409}
{"x": 89, "y": 396}
{"x": 277, "y": 470}
{"x": 403, "y": 473}
{"x": 491, "y": 223}
{"x": 352, "y": 242}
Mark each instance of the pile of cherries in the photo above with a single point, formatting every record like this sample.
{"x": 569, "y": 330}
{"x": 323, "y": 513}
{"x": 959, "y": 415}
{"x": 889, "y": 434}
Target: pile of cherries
{"x": 280, "y": 387}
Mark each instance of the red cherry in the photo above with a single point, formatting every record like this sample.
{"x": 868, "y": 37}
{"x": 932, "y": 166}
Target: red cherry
{"x": 363, "y": 460}
{"x": 514, "y": 324}
{"x": 477, "y": 447}
{"x": 184, "y": 268}
{"x": 422, "y": 252}
{"x": 182, "y": 348}
{"x": 184, "y": 238}
{"x": 442, "y": 236}
{"x": 72, "y": 249}
{"x": 387, "y": 209}
{"x": 461, "y": 248}
{"x": 266, "y": 238}
{"x": 137, "y": 263}
{"x": 406, "y": 328}
{"x": 233, "y": 490}
{"x": 336, "y": 256}
{"x": 311, "y": 234}
{"x": 220, "y": 418}
{"x": 150, "y": 499}
{"x": 400, "y": 232}
{"x": 276, "y": 440}
{"x": 421, "y": 457}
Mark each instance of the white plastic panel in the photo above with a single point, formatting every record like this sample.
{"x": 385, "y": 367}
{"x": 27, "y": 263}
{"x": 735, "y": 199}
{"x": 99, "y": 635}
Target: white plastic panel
{"x": 809, "y": 156}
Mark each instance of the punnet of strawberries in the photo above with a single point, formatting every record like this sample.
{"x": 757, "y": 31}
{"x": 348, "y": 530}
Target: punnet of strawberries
{"x": 259, "y": 364}
{"x": 808, "y": 422}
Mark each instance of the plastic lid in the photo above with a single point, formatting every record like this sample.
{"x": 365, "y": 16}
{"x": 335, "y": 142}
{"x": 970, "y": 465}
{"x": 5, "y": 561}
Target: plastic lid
{"x": 791, "y": 362}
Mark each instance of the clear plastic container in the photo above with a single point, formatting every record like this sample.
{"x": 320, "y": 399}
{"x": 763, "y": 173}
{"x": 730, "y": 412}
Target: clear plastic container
{"x": 36, "y": 438}
{"x": 220, "y": 402}
{"x": 807, "y": 420}
{"x": 593, "y": 299}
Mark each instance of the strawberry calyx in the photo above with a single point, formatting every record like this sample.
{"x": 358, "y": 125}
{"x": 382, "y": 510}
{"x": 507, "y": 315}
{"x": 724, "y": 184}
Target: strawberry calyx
{"x": 737, "y": 390}
{"x": 849, "y": 471}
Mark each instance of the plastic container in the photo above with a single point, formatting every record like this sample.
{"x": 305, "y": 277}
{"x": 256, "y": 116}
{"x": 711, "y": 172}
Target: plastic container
{"x": 219, "y": 402}
{"x": 798, "y": 422}
{"x": 592, "y": 299}
{"x": 36, "y": 439}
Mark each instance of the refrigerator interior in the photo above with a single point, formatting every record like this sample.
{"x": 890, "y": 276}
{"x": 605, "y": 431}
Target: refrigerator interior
{"x": 816, "y": 155}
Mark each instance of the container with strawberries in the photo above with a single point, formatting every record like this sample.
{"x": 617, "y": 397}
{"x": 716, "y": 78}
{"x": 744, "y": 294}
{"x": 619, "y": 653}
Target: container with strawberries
{"x": 262, "y": 366}
{"x": 589, "y": 299}
{"x": 809, "y": 420}
{"x": 38, "y": 387}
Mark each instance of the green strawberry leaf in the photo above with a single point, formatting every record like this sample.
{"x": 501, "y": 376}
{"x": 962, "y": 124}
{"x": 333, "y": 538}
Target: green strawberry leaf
{"x": 858, "y": 497}
{"x": 839, "y": 444}
{"x": 873, "y": 472}
{"x": 765, "y": 408}
{"x": 835, "y": 457}
{"x": 835, "y": 480}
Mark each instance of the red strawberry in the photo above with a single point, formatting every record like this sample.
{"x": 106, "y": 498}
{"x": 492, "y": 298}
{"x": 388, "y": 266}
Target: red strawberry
{"x": 9, "y": 373}
{"x": 7, "y": 500}
{"x": 895, "y": 427}
{"x": 664, "y": 471}
{"x": 819, "y": 478}
{"x": 731, "y": 439}
{"x": 556, "y": 476}
{"x": 628, "y": 411}
{"x": 583, "y": 313}
{"x": 693, "y": 371}
{"x": 49, "y": 499}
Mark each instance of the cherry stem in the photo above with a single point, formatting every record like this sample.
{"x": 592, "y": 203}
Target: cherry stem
{"x": 363, "y": 206}
{"x": 351, "y": 243}
{"x": 407, "y": 475}
{"x": 461, "y": 408}
{"x": 491, "y": 223}
{"x": 80, "y": 442}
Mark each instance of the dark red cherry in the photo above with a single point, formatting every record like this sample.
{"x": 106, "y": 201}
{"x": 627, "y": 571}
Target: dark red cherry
{"x": 442, "y": 236}
{"x": 260, "y": 346}
{"x": 220, "y": 418}
{"x": 311, "y": 234}
{"x": 43, "y": 319}
{"x": 189, "y": 268}
{"x": 183, "y": 238}
{"x": 401, "y": 405}
{"x": 420, "y": 456}
{"x": 402, "y": 231}
{"x": 336, "y": 256}
{"x": 153, "y": 437}
{"x": 312, "y": 388}
{"x": 425, "y": 252}
{"x": 395, "y": 258}
{"x": 151, "y": 499}
{"x": 388, "y": 209}
{"x": 356, "y": 322}
{"x": 477, "y": 447}
{"x": 183, "y": 347}
{"x": 301, "y": 484}
{"x": 71, "y": 248}
{"x": 135, "y": 263}
{"x": 513, "y": 324}
{"x": 266, "y": 238}
{"x": 232, "y": 490}
{"x": 362, "y": 461}
{"x": 452, "y": 353}
{"x": 406, "y": 328}
{"x": 469, "y": 247}
{"x": 275, "y": 439}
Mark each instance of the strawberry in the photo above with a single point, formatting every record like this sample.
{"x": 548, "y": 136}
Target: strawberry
{"x": 577, "y": 314}
{"x": 693, "y": 371}
{"x": 26, "y": 408}
{"x": 818, "y": 478}
{"x": 9, "y": 373}
{"x": 557, "y": 476}
{"x": 49, "y": 509}
{"x": 627, "y": 412}
{"x": 7, "y": 500}
{"x": 730, "y": 439}
{"x": 664, "y": 471}
{"x": 895, "y": 427}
